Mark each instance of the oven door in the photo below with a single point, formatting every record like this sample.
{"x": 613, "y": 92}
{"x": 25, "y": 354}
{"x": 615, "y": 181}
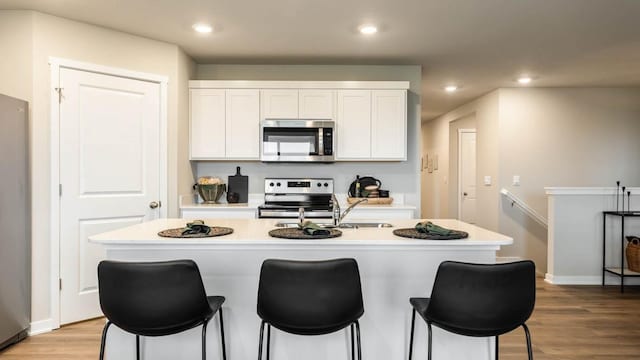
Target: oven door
{"x": 296, "y": 141}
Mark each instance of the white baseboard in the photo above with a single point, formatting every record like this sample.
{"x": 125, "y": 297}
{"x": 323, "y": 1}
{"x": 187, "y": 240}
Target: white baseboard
{"x": 41, "y": 327}
{"x": 587, "y": 280}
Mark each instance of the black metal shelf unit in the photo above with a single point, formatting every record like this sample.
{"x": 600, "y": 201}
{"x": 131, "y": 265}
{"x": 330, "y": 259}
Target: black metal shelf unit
{"x": 619, "y": 271}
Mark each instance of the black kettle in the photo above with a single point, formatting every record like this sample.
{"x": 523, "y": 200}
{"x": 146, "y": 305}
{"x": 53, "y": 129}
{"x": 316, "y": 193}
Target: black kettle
{"x": 364, "y": 182}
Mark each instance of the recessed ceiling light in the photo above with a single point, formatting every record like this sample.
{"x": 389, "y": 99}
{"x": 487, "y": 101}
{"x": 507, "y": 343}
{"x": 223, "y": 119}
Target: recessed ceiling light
{"x": 451, "y": 88}
{"x": 368, "y": 29}
{"x": 524, "y": 79}
{"x": 202, "y": 28}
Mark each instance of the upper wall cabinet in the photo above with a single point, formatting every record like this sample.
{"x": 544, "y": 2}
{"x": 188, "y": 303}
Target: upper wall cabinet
{"x": 297, "y": 104}
{"x": 316, "y": 104}
{"x": 207, "y": 113}
{"x": 370, "y": 116}
{"x": 279, "y": 104}
{"x": 371, "y": 125}
{"x": 225, "y": 124}
{"x": 389, "y": 124}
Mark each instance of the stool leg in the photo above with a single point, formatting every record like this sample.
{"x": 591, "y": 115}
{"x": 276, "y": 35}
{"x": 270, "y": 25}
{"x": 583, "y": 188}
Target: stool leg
{"x": 413, "y": 325}
{"x": 260, "y": 342}
{"x": 204, "y": 339}
{"x": 497, "y": 348}
{"x": 529, "y": 349}
{"x": 138, "y": 347}
{"x": 268, "y": 339}
{"x": 429, "y": 341}
{"x": 224, "y": 351}
{"x": 353, "y": 345}
{"x": 103, "y": 341}
{"x": 358, "y": 338}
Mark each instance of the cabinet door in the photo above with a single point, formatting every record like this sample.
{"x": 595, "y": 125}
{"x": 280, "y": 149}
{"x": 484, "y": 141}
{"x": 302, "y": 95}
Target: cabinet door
{"x": 207, "y": 112}
{"x": 243, "y": 124}
{"x": 279, "y": 104}
{"x": 316, "y": 104}
{"x": 389, "y": 125}
{"x": 353, "y": 122}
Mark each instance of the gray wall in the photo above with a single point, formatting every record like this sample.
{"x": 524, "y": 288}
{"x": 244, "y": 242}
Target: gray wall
{"x": 396, "y": 176}
{"x": 549, "y": 137}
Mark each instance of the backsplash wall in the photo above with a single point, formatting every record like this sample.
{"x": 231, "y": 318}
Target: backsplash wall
{"x": 399, "y": 176}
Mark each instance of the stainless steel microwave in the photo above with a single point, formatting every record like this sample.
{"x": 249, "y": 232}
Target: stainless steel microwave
{"x": 297, "y": 140}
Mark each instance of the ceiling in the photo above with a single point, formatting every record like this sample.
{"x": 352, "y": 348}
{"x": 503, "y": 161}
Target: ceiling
{"x": 478, "y": 44}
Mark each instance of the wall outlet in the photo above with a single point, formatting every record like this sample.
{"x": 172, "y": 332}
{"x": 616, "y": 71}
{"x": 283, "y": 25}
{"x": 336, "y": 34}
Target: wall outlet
{"x": 516, "y": 180}
{"x": 487, "y": 180}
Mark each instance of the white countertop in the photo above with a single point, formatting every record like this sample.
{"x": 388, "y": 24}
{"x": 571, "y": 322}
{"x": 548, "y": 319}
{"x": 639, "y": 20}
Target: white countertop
{"x": 255, "y": 232}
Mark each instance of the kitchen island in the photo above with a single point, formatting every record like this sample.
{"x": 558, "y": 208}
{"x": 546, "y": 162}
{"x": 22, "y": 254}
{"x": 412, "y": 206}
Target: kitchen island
{"x": 392, "y": 270}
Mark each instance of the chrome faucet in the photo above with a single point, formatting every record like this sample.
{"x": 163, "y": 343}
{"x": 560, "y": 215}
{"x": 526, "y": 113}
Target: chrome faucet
{"x": 338, "y": 215}
{"x": 301, "y": 215}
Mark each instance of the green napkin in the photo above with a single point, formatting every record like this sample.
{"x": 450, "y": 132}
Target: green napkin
{"x": 428, "y": 227}
{"x": 311, "y": 228}
{"x": 196, "y": 227}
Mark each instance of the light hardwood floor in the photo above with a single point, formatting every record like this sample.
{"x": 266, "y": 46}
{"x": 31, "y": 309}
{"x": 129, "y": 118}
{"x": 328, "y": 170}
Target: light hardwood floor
{"x": 569, "y": 323}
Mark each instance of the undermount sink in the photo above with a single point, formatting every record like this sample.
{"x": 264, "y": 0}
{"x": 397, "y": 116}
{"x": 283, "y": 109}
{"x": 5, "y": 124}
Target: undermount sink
{"x": 346, "y": 225}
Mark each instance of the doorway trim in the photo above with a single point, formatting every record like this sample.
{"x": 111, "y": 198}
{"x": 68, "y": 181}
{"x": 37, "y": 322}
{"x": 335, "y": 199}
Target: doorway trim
{"x": 55, "y": 64}
{"x": 460, "y": 132}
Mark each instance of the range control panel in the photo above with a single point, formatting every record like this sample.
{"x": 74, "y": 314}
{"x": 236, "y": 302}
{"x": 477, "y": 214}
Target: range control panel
{"x": 298, "y": 186}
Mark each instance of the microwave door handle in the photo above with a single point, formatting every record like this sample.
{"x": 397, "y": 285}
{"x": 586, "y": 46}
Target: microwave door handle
{"x": 320, "y": 141}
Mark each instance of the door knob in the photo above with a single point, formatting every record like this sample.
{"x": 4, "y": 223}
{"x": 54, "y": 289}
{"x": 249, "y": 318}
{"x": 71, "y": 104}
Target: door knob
{"x": 154, "y": 204}
{"x": 465, "y": 194}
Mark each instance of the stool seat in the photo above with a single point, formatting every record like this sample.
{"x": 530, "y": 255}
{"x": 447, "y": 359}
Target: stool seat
{"x": 310, "y": 298}
{"x": 156, "y": 299}
{"x": 420, "y": 305}
{"x": 480, "y": 300}
{"x": 215, "y": 302}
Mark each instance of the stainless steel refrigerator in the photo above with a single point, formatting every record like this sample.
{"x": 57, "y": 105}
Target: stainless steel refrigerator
{"x": 15, "y": 222}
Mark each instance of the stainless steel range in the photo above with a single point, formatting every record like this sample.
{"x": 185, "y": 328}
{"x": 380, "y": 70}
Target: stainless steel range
{"x": 283, "y": 198}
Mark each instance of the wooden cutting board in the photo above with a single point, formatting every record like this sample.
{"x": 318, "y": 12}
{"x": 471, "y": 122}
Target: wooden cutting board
{"x": 239, "y": 184}
{"x": 371, "y": 201}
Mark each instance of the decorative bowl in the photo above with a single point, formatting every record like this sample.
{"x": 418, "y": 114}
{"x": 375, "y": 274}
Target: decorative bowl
{"x": 211, "y": 193}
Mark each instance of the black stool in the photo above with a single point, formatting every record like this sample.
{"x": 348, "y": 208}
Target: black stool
{"x": 479, "y": 300}
{"x": 156, "y": 299}
{"x": 310, "y": 298}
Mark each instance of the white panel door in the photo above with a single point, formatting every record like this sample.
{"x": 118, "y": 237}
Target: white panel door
{"x": 109, "y": 174}
{"x": 389, "y": 124}
{"x": 243, "y": 124}
{"x": 467, "y": 175}
{"x": 207, "y": 107}
{"x": 279, "y": 104}
{"x": 316, "y": 104}
{"x": 353, "y": 122}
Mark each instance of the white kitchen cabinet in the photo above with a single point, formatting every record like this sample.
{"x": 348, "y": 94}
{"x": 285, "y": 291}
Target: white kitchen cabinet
{"x": 279, "y": 104}
{"x": 243, "y": 124}
{"x": 353, "y": 123}
{"x": 207, "y": 113}
{"x": 389, "y": 125}
{"x": 316, "y": 104}
{"x": 225, "y": 124}
{"x": 371, "y": 125}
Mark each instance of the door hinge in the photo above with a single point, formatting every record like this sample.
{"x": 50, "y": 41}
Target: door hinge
{"x": 59, "y": 91}
{"x": 60, "y": 283}
{"x": 60, "y": 189}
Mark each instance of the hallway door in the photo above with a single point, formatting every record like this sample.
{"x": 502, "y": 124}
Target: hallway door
{"x": 467, "y": 175}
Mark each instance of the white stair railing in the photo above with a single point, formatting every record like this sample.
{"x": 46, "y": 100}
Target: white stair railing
{"x": 526, "y": 208}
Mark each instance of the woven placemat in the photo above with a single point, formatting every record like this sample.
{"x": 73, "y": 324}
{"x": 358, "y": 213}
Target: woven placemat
{"x": 415, "y": 234}
{"x": 177, "y": 233}
{"x": 294, "y": 233}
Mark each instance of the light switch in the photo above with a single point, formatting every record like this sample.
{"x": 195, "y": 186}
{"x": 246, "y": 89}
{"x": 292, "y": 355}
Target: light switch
{"x": 516, "y": 180}
{"x": 487, "y": 180}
